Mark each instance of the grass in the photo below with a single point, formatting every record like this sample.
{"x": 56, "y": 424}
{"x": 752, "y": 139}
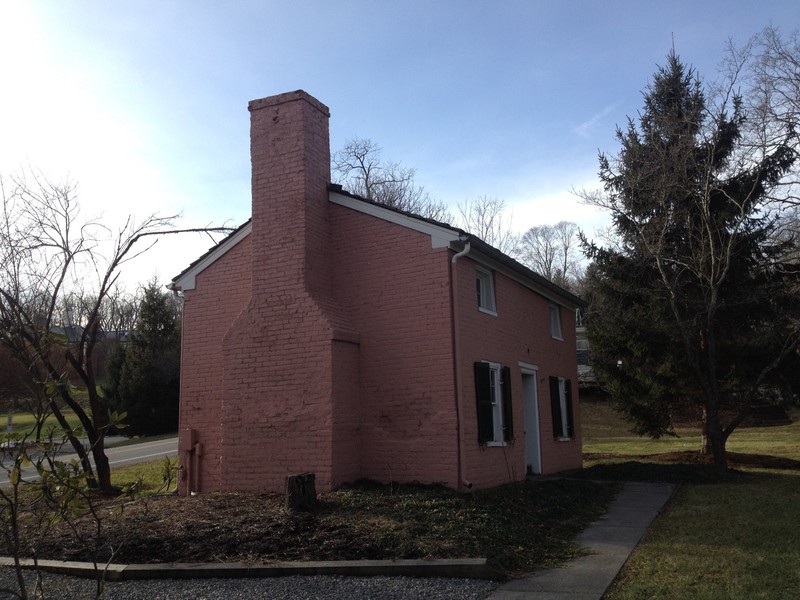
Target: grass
{"x": 606, "y": 432}
{"x": 23, "y": 423}
{"x": 734, "y": 537}
{"x": 736, "y": 540}
{"x": 149, "y": 476}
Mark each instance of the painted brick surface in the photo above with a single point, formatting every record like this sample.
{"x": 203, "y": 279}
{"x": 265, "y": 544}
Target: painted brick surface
{"x": 275, "y": 392}
{"x": 222, "y": 292}
{"x": 397, "y": 292}
{"x": 324, "y": 340}
{"x": 519, "y": 333}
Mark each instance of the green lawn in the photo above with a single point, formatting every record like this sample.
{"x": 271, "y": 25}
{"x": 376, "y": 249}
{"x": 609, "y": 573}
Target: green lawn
{"x": 23, "y": 423}
{"x": 604, "y": 431}
{"x": 737, "y": 538}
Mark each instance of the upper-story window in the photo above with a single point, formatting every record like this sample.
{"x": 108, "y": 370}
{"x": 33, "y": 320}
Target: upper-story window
{"x": 484, "y": 283}
{"x": 555, "y": 322}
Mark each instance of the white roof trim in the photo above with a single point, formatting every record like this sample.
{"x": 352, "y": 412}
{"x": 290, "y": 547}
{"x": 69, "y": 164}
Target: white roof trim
{"x": 188, "y": 280}
{"x": 478, "y": 257}
{"x": 441, "y": 237}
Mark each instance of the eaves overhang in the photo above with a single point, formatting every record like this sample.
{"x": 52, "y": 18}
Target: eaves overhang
{"x": 442, "y": 235}
{"x": 445, "y": 235}
{"x": 491, "y": 257}
{"x": 187, "y": 279}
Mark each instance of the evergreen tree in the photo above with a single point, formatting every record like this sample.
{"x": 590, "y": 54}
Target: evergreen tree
{"x": 696, "y": 304}
{"x": 149, "y": 377}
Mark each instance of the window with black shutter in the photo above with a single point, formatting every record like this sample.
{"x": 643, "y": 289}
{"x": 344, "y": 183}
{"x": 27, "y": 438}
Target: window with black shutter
{"x": 561, "y": 407}
{"x": 483, "y": 393}
{"x": 555, "y": 407}
{"x": 494, "y": 406}
{"x": 508, "y": 413}
{"x": 568, "y": 402}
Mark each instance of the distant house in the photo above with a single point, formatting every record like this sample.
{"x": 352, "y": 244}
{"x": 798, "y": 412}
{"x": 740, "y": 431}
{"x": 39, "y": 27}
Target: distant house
{"x": 333, "y": 335}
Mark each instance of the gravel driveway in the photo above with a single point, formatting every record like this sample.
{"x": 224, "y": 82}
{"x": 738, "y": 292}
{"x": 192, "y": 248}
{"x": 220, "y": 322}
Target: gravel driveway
{"x": 58, "y": 587}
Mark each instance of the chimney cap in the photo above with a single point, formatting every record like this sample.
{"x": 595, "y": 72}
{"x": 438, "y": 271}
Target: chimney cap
{"x": 297, "y": 95}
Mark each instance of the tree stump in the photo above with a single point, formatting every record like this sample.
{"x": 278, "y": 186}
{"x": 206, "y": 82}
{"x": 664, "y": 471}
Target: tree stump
{"x": 301, "y": 491}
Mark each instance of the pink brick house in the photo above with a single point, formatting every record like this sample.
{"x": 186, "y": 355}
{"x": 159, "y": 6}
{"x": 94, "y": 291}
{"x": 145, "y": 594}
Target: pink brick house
{"x": 333, "y": 335}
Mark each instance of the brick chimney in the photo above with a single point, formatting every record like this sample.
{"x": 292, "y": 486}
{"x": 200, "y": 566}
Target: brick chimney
{"x": 290, "y": 388}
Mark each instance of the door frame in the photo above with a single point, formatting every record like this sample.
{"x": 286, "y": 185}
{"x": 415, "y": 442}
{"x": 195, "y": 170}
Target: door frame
{"x": 531, "y": 423}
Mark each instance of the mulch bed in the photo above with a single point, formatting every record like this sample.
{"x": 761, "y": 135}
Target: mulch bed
{"x": 218, "y": 527}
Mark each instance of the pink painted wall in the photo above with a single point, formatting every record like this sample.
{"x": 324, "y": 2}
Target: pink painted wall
{"x": 222, "y": 291}
{"x": 282, "y": 353}
{"x": 324, "y": 340}
{"x": 397, "y": 293}
{"x": 519, "y": 333}
{"x": 287, "y": 354}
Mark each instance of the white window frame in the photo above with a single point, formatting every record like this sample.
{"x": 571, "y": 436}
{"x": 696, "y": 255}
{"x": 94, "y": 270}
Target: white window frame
{"x": 555, "y": 322}
{"x": 486, "y": 299}
{"x": 496, "y": 382}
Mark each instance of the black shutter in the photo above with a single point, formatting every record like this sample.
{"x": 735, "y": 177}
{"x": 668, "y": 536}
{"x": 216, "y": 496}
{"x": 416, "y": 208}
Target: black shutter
{"x": 508, "y": 411}
{"x": 555, "y": 407}
{"x": 483, "y": 393}
{"x": 570, "y": 427}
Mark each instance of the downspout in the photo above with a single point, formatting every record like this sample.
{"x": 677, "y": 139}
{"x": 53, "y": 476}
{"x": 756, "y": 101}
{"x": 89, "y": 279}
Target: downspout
{"x": 455, "y": 315}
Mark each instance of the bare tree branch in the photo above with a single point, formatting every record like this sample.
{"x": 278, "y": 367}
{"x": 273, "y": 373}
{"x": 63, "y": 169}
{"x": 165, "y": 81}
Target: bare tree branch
{"x": 362, "y": 172}
{"x": 486, "y": 218}
{"x": 58, "y": 286}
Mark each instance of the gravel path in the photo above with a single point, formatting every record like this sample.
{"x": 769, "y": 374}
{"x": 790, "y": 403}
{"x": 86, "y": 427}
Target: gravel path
{"x": 57, "y": 587}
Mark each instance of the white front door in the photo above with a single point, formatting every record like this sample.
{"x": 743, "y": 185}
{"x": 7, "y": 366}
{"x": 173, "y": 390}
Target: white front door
{"x": 533, "y": 451}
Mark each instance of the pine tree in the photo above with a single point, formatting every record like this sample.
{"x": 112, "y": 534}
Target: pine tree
{"x": 693, "y": 306}
{"x": 149, "y": 378}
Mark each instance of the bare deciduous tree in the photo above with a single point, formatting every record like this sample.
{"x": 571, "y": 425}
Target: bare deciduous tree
{"x": 362, "y": 171}
{"x": 539, "y": 250}
{"x": 768, "y": 68}
{"x": 552, "y": 251}
{"x": 486, "y": 217}
{"x": 57, "y": 273}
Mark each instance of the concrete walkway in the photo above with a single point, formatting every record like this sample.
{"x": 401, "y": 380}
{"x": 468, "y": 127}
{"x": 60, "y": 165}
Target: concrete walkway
{"x": 610, "y": 541}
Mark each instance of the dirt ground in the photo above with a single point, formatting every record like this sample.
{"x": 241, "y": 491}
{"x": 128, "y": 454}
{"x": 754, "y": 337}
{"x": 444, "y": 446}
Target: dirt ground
{"x": 230, "y": 527}
{"x": 217, "y": 527}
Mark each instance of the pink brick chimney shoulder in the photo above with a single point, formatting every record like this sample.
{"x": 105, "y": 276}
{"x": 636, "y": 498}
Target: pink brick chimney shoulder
{"x": 279, "y": 385}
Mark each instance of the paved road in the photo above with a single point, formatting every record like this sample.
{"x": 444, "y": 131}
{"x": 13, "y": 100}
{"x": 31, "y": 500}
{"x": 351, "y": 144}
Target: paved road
{"x": 117, "y": 455}
{"x": 143, "y": 452}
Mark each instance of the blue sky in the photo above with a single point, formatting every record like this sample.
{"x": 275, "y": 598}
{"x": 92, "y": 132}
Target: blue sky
{"x": 144, "y": 103}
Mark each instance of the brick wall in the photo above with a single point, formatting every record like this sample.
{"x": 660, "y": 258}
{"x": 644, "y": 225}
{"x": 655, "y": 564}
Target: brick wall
{"x": 206, "y": 319}
{"x": 397, "y": 292}
{"x": 519, "y": 333}
{"x": 323, "y": 341}
{"x": 274, "y": 414}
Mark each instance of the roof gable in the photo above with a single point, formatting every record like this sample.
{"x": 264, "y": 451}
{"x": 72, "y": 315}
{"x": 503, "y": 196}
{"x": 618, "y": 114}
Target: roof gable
{"x": 442, "y": 235}
{"x": 445, "y": 235}
{"x": 186, "y": 280}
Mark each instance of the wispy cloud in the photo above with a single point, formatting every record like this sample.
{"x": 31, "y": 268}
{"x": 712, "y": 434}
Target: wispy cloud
{"x": 585, "y": 128}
